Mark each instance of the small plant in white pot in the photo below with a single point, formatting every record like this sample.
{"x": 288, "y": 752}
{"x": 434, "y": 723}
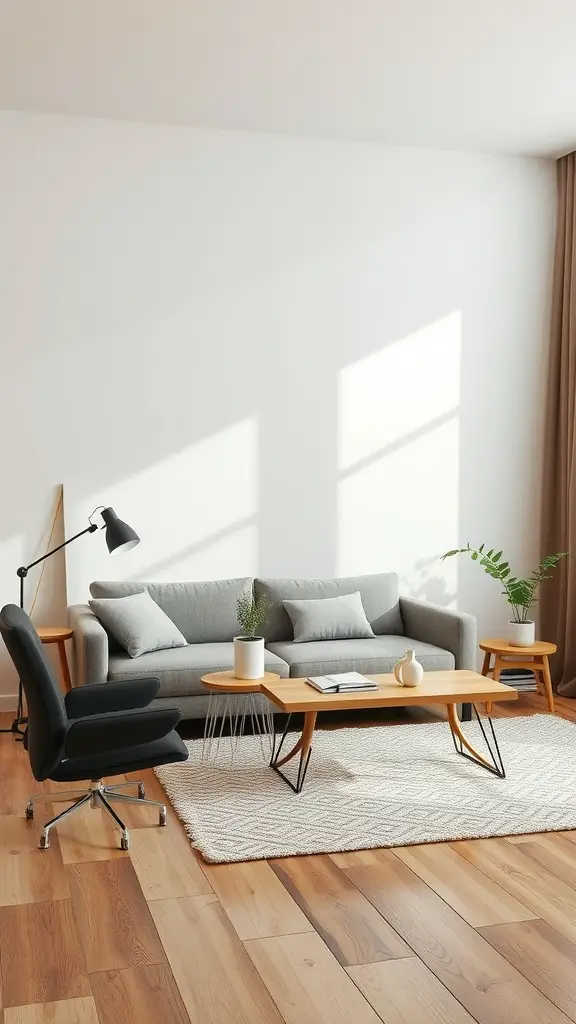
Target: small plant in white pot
{"x": 520, "y": 593}
{"x": 251, "y": 611}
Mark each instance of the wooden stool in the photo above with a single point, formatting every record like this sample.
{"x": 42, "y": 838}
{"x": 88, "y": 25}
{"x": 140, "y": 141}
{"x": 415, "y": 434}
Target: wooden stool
{"x": 58, "y": 635}
{"x": 506, "y": 655}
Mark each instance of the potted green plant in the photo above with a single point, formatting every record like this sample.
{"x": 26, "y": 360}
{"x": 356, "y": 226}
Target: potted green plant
{"x": 520, "y": 593}
{"x": 251, "y": 612}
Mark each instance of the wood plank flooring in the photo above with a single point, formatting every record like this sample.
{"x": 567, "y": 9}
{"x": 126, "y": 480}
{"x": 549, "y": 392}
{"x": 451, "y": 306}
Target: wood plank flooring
{"x": 470, "y": 932}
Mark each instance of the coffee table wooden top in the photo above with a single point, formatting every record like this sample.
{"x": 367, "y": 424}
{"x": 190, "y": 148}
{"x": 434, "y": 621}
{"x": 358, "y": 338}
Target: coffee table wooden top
{"x": 505, "y": 647}
{"x": 455, "y": 687}
{"x": 227, "y": 682}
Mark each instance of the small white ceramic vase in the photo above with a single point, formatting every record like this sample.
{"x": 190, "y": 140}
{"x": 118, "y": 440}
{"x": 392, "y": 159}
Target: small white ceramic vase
{"x": 521, "y": 634}
{"x": 408, "y": 671}
{"x": 248, "y": 657}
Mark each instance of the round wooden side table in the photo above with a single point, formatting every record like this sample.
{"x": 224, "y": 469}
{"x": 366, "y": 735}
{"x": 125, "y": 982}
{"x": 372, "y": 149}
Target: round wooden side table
{"x": 59, "y": 635}
{"x": 506, "y": 655}
{"x": 234, "y": 700}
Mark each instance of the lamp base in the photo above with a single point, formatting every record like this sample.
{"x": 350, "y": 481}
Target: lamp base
{"x": 16, "y": 730}
{"x": 19, "y": 733}
{"x": 19, "y": 720}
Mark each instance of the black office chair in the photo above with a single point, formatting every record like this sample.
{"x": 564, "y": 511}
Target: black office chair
{"x": 94, "y": 731}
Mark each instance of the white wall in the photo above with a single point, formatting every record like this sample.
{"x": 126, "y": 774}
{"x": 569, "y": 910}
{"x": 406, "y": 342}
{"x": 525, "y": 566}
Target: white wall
{"x": 271, "y": 355}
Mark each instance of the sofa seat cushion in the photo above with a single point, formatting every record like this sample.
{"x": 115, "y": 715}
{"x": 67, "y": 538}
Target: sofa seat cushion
{"x": 370, "y": 656}
{"x": 181, "y": 668}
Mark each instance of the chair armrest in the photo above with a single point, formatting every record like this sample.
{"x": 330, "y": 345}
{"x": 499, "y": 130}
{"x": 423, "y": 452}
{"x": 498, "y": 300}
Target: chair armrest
{"x": 100, "y": 733}
{"x": 90, "y": 644}
{"x": 121, "y": 695}
{"x": 443, "y": 627}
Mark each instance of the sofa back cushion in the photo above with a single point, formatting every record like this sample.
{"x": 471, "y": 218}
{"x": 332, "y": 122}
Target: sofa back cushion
{"x": 379, "y": 595}
{"x": 204, "y": 612}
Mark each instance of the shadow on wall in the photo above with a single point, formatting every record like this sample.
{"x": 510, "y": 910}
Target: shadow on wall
{"x": 262, "y": 370}
{"x": 391, "y": 485}
{"x": 354, "y": 488}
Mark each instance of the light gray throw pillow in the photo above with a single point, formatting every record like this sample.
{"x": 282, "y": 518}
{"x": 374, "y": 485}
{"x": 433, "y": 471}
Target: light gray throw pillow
{"x": 138, "y": 623}
{"x": 329, "y": 618}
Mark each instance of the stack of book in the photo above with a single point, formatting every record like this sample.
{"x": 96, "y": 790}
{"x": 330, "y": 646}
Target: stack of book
{"x": 522, "y": 679}
{"x": 342, "y": 682}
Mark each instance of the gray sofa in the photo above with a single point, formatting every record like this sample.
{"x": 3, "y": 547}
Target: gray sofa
{"x": 205, "y": 612}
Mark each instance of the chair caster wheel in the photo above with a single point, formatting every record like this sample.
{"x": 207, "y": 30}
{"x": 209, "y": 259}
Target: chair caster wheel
{"x": 141, "y": 791}
{"x": 30, "y": 811}
{"x": 163, "y": 817}
{"x": 124, "y": 843}
{"x": 44, "y": 843}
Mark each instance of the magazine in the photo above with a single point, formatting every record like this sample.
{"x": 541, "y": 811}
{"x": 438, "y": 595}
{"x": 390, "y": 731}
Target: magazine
{"x": 341, "y": 682}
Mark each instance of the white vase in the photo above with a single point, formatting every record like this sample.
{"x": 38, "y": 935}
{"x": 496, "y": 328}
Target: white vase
{"x": 521, "y": 634}
{"x": 408, "y": 671}
{"x": 248, "y": 657}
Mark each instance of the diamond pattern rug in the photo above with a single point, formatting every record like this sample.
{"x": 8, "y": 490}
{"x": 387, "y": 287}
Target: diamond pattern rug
{"x": 376, "y": 787}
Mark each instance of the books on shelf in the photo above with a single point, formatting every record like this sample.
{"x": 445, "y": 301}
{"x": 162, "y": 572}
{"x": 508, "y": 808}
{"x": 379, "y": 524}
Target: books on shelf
{"x": 522, "y": 679}
{"x": 342, "y": 682}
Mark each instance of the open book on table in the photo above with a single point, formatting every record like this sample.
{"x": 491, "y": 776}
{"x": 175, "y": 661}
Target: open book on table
{"x": 341, "y": 682}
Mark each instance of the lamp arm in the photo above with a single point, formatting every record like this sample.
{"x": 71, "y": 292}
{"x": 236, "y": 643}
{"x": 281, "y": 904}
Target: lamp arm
{"x": 23, "y": 570}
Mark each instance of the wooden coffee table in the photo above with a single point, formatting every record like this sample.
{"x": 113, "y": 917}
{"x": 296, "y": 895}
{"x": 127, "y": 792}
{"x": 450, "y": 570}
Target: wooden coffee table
{"x": 444, "y": 688}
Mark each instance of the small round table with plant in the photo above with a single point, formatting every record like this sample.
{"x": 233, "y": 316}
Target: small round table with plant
{"x": 235, "y": 694}
{"x": 506, "y": 655}
{"x": 519, "y": 649}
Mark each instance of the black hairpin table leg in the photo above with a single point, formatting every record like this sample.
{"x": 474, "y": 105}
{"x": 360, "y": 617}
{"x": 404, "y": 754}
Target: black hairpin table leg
{"x": 303, "y": 747}
{"x": 463, "y": 747}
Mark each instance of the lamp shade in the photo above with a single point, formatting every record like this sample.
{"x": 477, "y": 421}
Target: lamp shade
{"x": 119, "y": 536}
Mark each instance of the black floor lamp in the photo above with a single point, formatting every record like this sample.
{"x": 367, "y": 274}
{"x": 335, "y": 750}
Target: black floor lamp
{"x": 119, "y": 537}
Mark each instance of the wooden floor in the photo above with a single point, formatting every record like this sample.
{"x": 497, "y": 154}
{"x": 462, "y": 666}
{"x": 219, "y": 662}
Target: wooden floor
{"x": 482, "y": 930}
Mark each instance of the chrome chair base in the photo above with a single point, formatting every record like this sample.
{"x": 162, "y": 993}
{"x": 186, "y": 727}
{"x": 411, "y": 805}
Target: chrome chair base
{"x": 98, "y": 795}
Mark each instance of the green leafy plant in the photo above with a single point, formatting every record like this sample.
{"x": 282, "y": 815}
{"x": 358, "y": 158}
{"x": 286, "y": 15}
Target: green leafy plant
{"x": 251, "y": 611}
{"x": 520, "y": 593}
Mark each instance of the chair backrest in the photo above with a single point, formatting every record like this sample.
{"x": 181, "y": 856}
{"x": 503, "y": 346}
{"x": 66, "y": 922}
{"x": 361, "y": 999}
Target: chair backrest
{"x": 47, "y": 718}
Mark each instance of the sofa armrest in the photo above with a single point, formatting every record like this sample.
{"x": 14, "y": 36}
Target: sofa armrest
{"x": 90, "y": 644}
{"x": 443, "y": 627}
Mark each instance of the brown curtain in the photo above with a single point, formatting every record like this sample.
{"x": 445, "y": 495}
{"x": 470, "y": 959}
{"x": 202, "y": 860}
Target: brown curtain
{"x": 558, "y": 595}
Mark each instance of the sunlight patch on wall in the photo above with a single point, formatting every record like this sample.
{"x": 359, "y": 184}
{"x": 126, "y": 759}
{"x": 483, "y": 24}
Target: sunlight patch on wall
{"x": 398, "y": 461}
{"x": 195, "y": 513}
{"x": 397, "y": 390}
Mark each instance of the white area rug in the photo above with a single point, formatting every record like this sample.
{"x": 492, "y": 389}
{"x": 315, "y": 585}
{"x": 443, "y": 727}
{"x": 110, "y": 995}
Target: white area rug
{"x": 377, "y": 787}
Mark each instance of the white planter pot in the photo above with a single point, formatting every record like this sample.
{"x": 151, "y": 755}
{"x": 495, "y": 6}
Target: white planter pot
{"x": 521, "y": 634}
{"x": 249, "y": 657}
